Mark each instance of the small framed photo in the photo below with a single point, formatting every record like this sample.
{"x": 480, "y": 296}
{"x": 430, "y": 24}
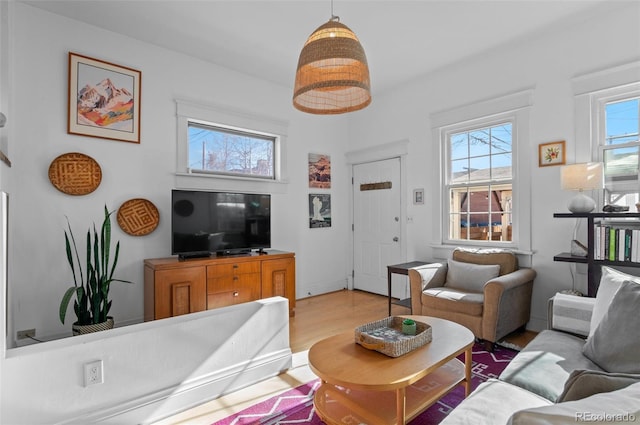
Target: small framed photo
{"x": 418, "y": 196}
{"x": 551, "y": 154}
{"x": 104, "y": 99}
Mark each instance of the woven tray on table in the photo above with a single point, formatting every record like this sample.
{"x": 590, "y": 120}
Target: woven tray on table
{"x": 386, "y": 337}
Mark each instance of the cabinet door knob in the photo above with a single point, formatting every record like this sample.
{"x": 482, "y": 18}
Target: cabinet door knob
{"x": 235, "y": 294}
{"x": 235, "y": 266}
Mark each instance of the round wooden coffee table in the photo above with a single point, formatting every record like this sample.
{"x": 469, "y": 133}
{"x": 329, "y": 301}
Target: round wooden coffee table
{"x": 370, "y": 387}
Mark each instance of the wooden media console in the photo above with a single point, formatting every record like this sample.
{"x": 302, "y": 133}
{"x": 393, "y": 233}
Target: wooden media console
{"x": 173, "y": 287}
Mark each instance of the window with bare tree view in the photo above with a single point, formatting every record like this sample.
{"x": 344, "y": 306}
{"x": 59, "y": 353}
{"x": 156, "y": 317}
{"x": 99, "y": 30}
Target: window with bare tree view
{"x": 219, "y": 150}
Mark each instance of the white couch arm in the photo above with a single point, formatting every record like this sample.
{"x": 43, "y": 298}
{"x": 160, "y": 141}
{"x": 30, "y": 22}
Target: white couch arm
{"x": 570, "y": 313}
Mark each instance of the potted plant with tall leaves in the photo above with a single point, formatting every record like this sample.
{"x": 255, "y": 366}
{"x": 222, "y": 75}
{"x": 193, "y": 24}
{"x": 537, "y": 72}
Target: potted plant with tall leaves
{"x": 91, "y": 285}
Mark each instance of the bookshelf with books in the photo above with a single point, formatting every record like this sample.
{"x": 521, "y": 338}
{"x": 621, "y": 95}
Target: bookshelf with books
{"x": 612, "y": 239}
{"x": 616, "y": 241}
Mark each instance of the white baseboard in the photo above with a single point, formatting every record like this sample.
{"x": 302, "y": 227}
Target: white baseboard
{"x": 185, "y": 395}
{"x": 323, "y": 288}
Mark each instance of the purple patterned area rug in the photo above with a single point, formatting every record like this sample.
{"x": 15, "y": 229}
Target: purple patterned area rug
{"x": 296, "y": 406}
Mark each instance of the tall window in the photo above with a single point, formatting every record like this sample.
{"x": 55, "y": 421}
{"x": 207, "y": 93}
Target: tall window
{"x": 619, "y": 150}
{"x": 485, "y": 169}
{"x": 219, "y": 150}
{"x": 479, "y": 183}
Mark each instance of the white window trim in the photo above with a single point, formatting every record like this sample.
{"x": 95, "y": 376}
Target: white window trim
{"x": 591, "y": 93}
{"x": 189, "y": 111}
{"x": 514, "y": 108}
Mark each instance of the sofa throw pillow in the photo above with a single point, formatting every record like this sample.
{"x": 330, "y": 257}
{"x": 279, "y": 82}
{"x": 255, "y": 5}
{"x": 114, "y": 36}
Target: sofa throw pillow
{"x": 468, "y": 276}
{"x": 616, "y": 407}
{"x": 615, "y": 344}
{"x": 571, "y": 314}
{"x": 584, "y": 383}
{"x": 610, "y": 282}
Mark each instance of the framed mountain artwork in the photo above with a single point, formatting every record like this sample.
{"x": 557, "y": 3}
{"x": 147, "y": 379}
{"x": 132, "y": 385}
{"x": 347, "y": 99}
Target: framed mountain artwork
{"x": 104, "y": 99}
{"x": 319, "y": 171}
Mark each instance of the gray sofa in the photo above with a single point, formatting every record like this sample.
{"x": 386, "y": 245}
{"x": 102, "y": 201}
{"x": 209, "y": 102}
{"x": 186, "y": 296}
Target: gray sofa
{"x": 584, "y": 368}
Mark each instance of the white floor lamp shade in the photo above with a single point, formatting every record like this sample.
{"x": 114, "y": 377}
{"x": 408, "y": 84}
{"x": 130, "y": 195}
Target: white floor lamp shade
{"x": 581, "y": 177}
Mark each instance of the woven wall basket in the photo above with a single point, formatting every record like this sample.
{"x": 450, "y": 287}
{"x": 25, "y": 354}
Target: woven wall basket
{"x": 87, "y": 329}
{"x": 138, "y": 217}
{"x": 75, "y": 173}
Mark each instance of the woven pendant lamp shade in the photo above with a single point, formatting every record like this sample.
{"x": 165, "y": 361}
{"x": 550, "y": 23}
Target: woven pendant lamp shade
{"x": 332, "y": 75}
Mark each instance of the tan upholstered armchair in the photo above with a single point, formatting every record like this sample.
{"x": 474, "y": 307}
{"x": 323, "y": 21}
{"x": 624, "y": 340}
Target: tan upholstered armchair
{"x": 484, "y": 290}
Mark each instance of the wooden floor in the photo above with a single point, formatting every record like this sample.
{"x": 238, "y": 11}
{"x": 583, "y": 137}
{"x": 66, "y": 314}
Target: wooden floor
{"x": 324, "y": 315}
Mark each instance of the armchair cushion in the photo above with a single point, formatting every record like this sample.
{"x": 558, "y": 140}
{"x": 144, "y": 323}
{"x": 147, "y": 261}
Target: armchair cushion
{"x": 468, "y": 276}
{"x": 507, "y": 261}
{"x": 454, "y": 300}
{"x": 615, "y": 343}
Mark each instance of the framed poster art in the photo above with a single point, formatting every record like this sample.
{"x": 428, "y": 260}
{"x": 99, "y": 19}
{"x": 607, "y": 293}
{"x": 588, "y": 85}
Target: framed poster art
{"x": 319, "y": 171}
{"x": 551, "y": 154}
{"x": 319, "y": 210}
{"x": 104, "y": 99}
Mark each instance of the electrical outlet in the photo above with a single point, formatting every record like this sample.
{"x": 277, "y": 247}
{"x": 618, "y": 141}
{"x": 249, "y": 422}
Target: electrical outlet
{"x": 93, "y": 373}
{"x": 27, "y": 333}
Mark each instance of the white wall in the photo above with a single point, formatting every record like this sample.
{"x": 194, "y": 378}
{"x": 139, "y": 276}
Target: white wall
{"x": 38, "y": 273}
{"x": 151, "y": 370}
{"x": 606, "y": 37}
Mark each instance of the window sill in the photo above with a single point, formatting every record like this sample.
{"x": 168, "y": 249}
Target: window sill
{"x": 444, "y": 250}
{"x": 222, "y": 182}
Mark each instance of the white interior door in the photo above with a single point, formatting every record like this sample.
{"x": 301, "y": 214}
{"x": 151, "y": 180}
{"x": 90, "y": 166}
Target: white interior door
{"x": 376, "y": 221}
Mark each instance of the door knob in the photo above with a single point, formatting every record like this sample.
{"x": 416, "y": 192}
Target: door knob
{"x": 396, "y": 239}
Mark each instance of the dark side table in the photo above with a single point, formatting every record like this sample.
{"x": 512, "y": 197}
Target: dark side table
{"x": 403, "y": 269}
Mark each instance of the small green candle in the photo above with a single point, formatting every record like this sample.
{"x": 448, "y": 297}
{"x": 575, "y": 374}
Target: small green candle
{"x": 408, "y": 327}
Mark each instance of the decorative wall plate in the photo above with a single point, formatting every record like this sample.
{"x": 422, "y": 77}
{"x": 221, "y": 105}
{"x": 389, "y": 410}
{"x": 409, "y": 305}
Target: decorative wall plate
{"x": 138, "y": 217}
{"x": 75, "y": 173}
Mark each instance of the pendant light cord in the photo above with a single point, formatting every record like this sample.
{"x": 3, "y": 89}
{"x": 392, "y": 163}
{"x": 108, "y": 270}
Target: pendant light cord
{"x": 334, "y": 17}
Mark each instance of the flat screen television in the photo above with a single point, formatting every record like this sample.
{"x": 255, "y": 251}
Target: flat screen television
{"x": 205, "y": 223}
